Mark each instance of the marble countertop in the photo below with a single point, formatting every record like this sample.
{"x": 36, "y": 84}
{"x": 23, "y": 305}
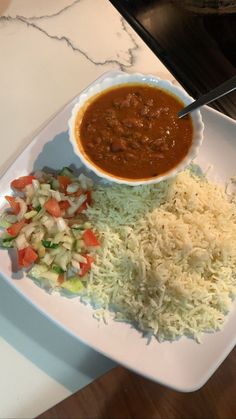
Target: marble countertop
{"x": 50, "y": 51}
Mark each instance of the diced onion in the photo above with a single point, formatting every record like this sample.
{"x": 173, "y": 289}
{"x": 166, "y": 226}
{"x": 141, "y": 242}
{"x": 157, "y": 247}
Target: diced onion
{"x": 56, "y": 195}
{"x": 86, "y": 183}
{"x": 35, "y": 184}
{"x": 73, "y": 187}
{"x": 61, "y": 224}
{"x": 28, "y": 230}
{"x": 75, "y": 264}
{"x": 21, "y": 242}
{"x": 79, "y": 258}
{"x": 23, "y": 208}
{"x": 75, "y": 205}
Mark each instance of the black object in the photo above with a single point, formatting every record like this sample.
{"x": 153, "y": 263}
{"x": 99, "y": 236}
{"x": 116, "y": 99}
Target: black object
{"x": 219, "y": 91}
{"x": 198, "y": 49}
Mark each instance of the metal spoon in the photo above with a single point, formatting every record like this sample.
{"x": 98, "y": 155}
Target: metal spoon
{"x": 221, "y": 90}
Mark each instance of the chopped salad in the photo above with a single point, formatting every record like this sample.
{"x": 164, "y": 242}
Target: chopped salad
{"x": 48, "y": 227}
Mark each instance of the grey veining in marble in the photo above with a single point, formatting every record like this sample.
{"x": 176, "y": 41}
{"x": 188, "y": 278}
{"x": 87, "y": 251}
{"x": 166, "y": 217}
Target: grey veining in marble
{"x": 123, "y": 59}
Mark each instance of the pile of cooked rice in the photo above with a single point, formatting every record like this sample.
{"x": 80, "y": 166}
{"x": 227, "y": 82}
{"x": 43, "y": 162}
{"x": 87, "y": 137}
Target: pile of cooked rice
{"x": 168, "y": 256}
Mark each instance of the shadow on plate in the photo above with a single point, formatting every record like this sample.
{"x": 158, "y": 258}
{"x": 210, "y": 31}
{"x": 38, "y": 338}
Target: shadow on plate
{"x": 60, "y": 355}
{"x": 59, "y": 153}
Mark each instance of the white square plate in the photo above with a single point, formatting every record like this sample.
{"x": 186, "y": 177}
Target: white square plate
{"x": 184, "y": 364}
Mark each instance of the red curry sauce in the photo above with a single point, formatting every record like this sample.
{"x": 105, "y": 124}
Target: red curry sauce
{"x": 134, "y": 132}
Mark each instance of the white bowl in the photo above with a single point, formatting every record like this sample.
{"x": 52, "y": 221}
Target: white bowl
{"x": 121, "y": 79}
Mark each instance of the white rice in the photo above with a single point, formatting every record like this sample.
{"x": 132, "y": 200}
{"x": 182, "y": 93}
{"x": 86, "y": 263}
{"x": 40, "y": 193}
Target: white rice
{"x": 168, "y": 255}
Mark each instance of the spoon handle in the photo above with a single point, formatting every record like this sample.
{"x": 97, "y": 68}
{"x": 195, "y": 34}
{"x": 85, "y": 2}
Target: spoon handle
{"x": 221, "y": 90}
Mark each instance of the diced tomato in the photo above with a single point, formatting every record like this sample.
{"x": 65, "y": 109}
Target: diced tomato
{"x": 82, "y": 208}
{"x": 89, "y": 198}
{"x": 85, "y": 267}
{"x": 15, "y": 206}
{"x": 64, "y": 181}
{"x": 78, "y": 193}
{"x": 26, "y": 257}
{"x": 89, "y": 238}
{"x": 14, "y": 229}
{"x": 22, "y": 182}
{"x": 64, "y": 205}
{"x": 61, "y": 278}
{"x": 20, "y": 254}
{"x": 52, "y": 206}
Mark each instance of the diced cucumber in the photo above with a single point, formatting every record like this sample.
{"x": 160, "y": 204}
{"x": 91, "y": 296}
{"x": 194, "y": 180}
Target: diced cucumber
{"x": 6, "y": 236}
{"x": 42, "y": 200}
{"x": 66, "y": 171}
{"x": 44, "y": 192}
{"x": 41, "y": 251}
{"x": 7, "y": 239}
{"x": 76, "y": 234}
{"x": 45, "y": 186}
{"x": 87, "y": 225}
{"x": 4, "y": 223}
{"x": 55, "y": 184}
{"x": 40, "y": 214}
{"x": 30, "y": 214}
{"x": 42, "y": 272}
{"x": 35, "y": 202}
{"x": 78, "y": 245}
{"x": 7, "y": 244}
{"x": 73, "y": 284}
{"x": 11, "y": 218}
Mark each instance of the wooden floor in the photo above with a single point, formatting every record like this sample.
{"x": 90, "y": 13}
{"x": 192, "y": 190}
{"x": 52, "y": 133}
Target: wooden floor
{"x": 123, "y": 394}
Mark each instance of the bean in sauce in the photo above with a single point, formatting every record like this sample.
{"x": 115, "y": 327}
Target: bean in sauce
{"x": 133, "y": 131}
